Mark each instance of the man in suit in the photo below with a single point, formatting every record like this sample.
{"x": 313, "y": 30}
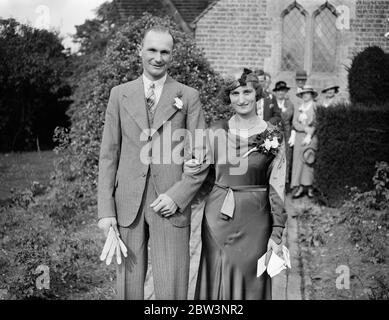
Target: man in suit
{"x": 300, "y": 79}
{"x": 143, "y": 192}
{"x": 267, "y": 107}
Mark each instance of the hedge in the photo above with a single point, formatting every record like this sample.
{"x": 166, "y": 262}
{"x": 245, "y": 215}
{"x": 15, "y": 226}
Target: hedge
{"x": 352, "y": 138}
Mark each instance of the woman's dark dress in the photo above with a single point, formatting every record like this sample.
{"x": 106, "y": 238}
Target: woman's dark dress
{"x": 232, "y": 246}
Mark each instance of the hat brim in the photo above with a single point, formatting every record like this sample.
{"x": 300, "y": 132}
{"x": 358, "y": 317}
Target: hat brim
{"x": 314, "y": 93}
{"x": 329, "y": 88}
{"x": 281, "y": 89}
{"x": 309, "y": 156}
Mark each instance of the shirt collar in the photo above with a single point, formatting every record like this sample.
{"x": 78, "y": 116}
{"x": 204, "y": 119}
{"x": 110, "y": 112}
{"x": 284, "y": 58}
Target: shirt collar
{"x": 159, "y": 83}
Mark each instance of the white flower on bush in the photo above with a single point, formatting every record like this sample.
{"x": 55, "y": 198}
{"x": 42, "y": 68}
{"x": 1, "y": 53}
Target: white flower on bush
{"x": 178, "y": 103}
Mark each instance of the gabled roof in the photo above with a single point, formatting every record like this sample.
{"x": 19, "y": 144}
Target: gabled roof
{"x": 188, "y": 9}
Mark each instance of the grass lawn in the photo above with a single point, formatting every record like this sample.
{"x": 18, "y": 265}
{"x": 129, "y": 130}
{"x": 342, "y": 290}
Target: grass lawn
{"x": 39, "y": 235}
{"x": 19, "y": 169}
{"x": 330, "y": 256}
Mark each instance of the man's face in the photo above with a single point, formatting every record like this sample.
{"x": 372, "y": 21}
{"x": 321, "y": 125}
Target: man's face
{"x": 156, "y": 54}
{"x": 280, "y": 94}
{"x": 301, "y": 82}
{"x": 262, "y": 81}
{"x": 267, "y": 82}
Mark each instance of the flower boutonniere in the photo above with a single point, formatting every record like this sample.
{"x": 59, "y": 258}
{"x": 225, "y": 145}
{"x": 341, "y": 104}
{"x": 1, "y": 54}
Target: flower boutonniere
{"x": 267, "y": 142}
{"x": 178, "y": 102}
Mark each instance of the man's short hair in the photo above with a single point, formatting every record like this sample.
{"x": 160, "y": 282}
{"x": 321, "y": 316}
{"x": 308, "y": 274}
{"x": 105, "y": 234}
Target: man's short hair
{"x": 158, "y": 28}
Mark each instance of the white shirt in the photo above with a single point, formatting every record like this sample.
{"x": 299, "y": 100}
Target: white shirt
{"x": 281, "y": 105}
{"x": 158, "y": 86}
{"x": 260, "y": 108}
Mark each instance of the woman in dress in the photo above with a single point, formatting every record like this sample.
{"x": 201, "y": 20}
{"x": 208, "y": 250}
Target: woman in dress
{"x": 244, "y": 214}
{"x": 286, "y": 106}
{"x": 303, "y": 139}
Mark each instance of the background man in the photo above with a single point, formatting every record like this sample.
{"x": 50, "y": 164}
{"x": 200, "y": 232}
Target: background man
{"x": 267, "y": 107}
{"x": 301, "y": 79}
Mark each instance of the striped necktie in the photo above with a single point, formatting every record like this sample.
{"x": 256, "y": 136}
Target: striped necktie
{"x": 150, "y": 99}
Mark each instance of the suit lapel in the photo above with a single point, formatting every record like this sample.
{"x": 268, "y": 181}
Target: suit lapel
{"x": 135, "y": 102}
{"x": 165, "y": 107}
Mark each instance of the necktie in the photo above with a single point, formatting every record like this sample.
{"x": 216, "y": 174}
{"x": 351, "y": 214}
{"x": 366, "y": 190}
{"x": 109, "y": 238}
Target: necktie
{"x": 150, "y": 99}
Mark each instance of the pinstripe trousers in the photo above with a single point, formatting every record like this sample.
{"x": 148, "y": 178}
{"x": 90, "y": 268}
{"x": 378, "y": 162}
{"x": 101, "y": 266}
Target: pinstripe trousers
{"x": 169, "y": 250}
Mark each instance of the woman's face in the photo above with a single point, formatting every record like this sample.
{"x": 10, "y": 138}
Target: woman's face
{"x": 243, "y": 100}
{"x": 280, "y": 94}
{"x": 307, "y": 96}
{"x": 330, "y": 93}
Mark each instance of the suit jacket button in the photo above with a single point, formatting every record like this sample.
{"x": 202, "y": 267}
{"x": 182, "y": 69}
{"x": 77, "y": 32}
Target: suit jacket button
{"x": 144, "y": 174}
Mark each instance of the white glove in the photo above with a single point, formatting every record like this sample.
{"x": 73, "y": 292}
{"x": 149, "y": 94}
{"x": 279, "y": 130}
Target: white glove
{"x": 292, "y": 138}
{"x": 113, "y": 245}
{"x": 307, "y": 140}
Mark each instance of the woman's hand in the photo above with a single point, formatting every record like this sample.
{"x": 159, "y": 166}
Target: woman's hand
{"x": 307, "y": 140}
{"x": 276, "y": 248}
{"x": 292, "y": 138}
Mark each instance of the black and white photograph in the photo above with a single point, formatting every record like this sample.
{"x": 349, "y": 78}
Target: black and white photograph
{"x": 210, "y": 151}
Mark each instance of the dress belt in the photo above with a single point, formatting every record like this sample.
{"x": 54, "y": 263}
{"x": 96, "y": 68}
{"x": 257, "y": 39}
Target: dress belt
{"x": 228, "y": 206}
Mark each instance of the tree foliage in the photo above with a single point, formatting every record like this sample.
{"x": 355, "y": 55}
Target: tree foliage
{"x": 33, "y": 88}
{"x": 368, "y": 77}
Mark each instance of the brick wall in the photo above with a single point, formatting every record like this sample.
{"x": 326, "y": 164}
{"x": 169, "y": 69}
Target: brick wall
{"x": 233, "y": 33}
{"x": 249, "y": 33}
{"x": 370, "y": 24}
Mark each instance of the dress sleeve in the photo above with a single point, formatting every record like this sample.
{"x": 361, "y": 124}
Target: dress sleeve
{"x": 277, "y": 178}
{"x": 311, "y": 127}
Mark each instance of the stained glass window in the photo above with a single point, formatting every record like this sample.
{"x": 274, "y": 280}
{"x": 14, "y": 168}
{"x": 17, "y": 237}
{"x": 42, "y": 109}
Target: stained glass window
{"x": 293, "y": 40}
{"x": 324, "y": 41}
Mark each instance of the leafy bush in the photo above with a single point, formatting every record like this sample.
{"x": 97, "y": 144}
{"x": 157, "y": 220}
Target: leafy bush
{"x": 33, "y": 88}
{"x": 76, "y": 173}
{"x": 30, "y": 239}
{"x": 367, "y": 215}
{"x": 351, "y": 140}
{"x": 368, "y": 77}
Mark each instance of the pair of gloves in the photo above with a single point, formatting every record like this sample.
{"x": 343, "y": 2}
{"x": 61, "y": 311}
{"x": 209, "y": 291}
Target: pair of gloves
{"x": 113, "y": 245}
{"x": 306, "y": 141}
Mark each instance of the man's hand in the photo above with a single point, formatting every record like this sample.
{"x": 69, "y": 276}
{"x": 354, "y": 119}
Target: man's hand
{"x": 307, "y": 140}
{"x": 105, "y": 223}
{"x": 165, "y": 205}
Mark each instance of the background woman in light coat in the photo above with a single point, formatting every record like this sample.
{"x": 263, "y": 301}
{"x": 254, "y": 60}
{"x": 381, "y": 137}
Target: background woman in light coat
{"x": 302, "y": 138}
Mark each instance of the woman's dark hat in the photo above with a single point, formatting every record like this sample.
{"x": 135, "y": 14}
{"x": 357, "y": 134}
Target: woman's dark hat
{"x": 309, "y": 156}
{"x": 281, "y": 85}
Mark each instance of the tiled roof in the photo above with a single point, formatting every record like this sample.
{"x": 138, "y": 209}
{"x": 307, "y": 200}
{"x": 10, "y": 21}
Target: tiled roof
{"x": 188, "y": 9}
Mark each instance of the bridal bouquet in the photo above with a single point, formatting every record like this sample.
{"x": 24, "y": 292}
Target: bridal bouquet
{"x": 267, "y": 142}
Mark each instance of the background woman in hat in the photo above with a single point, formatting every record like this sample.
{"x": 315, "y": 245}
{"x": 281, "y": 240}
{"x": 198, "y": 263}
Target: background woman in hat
{"x": 303, "y": 137}
{"x": 331, "y": 97}
{"x": 286, "y": 106}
